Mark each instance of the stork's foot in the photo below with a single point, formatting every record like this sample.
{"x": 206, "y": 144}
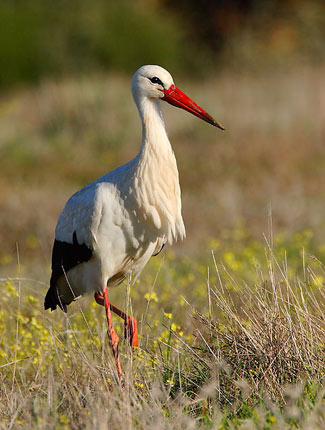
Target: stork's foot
{"x": 130, "y": 323}
{"x": 131, "y": 331}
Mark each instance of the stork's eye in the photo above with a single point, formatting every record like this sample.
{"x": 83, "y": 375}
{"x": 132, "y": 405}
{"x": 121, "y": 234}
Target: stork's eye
{"x": 156, "y": 80}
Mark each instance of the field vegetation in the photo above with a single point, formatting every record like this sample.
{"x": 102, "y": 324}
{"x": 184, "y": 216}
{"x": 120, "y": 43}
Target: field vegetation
{"x": 232, "y": 321}
{"x": 236, "y": 341}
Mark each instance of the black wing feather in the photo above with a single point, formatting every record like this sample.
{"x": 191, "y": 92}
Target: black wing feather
{"x": 65, "y": 256}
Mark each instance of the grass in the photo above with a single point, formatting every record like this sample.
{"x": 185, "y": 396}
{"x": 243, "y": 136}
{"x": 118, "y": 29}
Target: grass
{"x": 236, "y": 355}
{"x": 231, "y": 323}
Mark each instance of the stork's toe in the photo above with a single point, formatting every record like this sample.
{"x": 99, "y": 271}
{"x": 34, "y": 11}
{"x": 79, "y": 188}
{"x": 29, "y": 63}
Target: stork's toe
{"x": 131, "y": 331}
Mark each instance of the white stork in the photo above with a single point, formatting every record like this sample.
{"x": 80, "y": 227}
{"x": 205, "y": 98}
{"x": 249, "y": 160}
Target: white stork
{"x": 111, "y": 227}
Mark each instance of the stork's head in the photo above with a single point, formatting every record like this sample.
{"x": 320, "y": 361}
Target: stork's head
{"x": 155, "y": 82}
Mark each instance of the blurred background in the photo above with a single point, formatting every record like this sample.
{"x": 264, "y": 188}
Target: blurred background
{"x": 67, "y": 116}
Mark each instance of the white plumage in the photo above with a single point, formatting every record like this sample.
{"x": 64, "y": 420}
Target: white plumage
{"x": 112, "y": 227}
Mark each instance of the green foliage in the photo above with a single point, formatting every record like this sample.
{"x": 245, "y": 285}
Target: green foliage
{"x": 41, "y": 38}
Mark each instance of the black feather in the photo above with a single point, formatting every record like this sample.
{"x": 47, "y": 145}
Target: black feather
{"x": 162, "y": 246}
{"x": 65, "y": 256}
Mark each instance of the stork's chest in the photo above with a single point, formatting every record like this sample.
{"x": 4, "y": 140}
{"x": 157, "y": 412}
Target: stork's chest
{"x": 123, "y": 224}
{"x": 125, "y": 241}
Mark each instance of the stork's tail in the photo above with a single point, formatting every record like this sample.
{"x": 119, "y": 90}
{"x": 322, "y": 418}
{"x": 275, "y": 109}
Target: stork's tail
{"x": 52, "y": 299}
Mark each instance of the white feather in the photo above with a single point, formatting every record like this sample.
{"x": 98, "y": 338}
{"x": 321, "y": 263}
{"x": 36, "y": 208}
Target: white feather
{"x": 128, "y": 213}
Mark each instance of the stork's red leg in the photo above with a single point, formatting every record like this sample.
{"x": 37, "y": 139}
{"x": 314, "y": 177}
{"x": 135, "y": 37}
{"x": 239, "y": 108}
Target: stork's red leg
{"x": 113, "y": 337}
{"x": 130, "y": 323}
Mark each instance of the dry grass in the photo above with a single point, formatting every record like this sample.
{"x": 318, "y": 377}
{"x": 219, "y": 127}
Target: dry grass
{"x": 252, "y": 358}
{"x": 248, "y": 352}
{"x": 268, "y": 337}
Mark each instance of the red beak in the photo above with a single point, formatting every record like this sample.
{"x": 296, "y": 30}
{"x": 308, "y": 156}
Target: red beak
{"x": 177, "y": 98}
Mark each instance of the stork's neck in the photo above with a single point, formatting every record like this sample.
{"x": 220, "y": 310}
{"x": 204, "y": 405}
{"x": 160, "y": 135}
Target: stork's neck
{"x": 156, "y": 183}
{"x": 154, "y": 135}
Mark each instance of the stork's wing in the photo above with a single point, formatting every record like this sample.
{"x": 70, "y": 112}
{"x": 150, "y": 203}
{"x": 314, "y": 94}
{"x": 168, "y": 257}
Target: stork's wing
{"x": 75, "y": 238}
